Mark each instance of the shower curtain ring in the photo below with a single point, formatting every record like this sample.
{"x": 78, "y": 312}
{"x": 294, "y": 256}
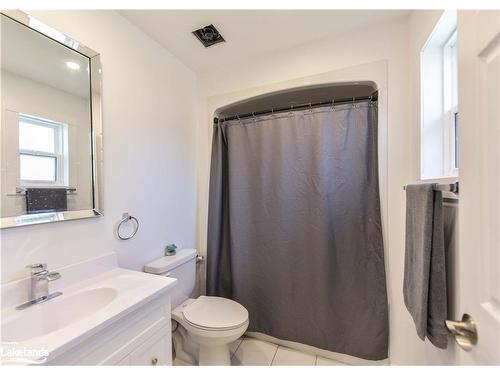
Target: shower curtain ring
{"x": 310, "y": 107}
{"x": 333, "y": 104}
{"x": 353, "y": 102}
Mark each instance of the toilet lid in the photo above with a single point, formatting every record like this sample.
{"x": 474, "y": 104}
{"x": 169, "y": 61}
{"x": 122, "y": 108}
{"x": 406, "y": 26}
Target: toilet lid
{"x": 215, "y": 313}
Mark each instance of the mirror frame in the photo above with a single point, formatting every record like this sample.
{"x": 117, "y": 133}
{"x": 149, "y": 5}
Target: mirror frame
{"x": 95, "y": 73}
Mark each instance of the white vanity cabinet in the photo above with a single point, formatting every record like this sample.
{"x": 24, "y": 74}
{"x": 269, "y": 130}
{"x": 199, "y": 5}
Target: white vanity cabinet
{"x": 141, "y": 337}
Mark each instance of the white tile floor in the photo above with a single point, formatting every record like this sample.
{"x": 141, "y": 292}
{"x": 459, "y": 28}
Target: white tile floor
{"x": 248, "y": 351}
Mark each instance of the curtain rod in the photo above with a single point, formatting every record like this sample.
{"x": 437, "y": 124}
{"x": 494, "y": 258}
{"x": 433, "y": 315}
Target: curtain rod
{"x": 333, "y": 102}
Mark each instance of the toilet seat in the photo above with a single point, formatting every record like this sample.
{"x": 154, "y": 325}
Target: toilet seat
{"x": 215, "y": 314}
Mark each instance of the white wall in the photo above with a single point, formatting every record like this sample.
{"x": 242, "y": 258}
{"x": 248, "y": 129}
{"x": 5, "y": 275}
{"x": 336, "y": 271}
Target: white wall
{"x": 392, "y": 42}
{"x": 422, "y": 22}
{"x": 23, "y": 95}
{"x": 387, "y": 43}
{"x": 149, "y": 152}
{"x": 406, "y": 348}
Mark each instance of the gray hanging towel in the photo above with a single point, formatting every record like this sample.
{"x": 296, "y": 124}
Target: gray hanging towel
{"x": 424, "y": 285}
{"x": 39, "y": 200}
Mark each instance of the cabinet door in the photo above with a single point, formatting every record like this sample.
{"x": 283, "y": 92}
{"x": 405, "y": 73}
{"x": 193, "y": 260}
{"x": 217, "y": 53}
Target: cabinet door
{"x": 154, "y": 352}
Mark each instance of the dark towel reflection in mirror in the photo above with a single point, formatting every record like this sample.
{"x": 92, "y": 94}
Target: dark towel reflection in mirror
{"x": 40, "y": 200}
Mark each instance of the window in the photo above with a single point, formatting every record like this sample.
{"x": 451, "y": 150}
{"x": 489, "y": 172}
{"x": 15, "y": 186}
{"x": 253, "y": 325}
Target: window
{"x": 42, "y": 149}
{"x": 439, "y": 100}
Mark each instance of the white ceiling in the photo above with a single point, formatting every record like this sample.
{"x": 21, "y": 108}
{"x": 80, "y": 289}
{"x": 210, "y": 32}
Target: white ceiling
{"x": 248, "y": 33}
{"x": 32, "y": 55}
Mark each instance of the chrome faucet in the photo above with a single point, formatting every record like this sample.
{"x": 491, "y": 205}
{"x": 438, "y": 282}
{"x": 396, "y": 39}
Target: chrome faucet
{"x": 39, "y": 285}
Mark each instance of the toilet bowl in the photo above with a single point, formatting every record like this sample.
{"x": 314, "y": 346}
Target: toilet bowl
{"x": 212, "y": 323}
{"x": 206, "y": 325}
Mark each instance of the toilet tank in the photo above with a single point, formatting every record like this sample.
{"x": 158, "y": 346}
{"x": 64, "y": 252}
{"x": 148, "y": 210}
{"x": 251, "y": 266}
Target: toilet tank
{"x": 181, "y": 266}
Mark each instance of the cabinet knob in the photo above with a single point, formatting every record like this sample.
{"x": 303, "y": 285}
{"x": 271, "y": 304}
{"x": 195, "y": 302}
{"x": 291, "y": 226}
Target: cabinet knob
{"x": 154, "y": 361}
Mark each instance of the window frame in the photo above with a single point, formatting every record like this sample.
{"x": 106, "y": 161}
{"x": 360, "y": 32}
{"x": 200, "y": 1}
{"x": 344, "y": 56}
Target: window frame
{"x": 450, "y": 79}
{"x": 58, "y": 154}
{"x": 450, "y": 105}
{"x": 451, "y": 142}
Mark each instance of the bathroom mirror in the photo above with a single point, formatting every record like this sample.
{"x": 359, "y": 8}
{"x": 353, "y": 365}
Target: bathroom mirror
{"x": 51, "y": 149}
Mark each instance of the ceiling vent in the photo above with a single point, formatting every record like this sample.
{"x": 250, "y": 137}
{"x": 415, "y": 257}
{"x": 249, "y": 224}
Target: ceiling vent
{"x": 208, "y": 35}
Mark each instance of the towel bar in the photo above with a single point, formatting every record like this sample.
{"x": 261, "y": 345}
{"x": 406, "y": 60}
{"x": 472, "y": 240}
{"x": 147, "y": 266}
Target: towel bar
{"x": 451, "y": 187}
{"x": 22, "y": 190}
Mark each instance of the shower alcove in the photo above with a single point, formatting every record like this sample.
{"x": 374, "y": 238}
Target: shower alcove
{"x": 338, "y": 87}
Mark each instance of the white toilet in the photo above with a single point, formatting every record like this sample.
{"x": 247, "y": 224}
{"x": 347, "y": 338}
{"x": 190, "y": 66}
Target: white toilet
{"x": 206, "y": 325}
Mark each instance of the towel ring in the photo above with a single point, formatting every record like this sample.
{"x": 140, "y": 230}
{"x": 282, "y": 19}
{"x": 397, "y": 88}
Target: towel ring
{"x": 126, "y": 217}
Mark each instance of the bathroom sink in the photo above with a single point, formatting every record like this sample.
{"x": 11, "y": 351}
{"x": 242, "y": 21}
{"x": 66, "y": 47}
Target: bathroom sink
{"x": 95, "y": 294}
{"x": 55, "y": 314}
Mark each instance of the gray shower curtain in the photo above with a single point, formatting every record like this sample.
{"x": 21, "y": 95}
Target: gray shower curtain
{"x": 294, "y": 227}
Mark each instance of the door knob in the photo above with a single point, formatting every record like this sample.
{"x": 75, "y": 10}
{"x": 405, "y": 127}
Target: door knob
{"x": 465, "y": 332}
